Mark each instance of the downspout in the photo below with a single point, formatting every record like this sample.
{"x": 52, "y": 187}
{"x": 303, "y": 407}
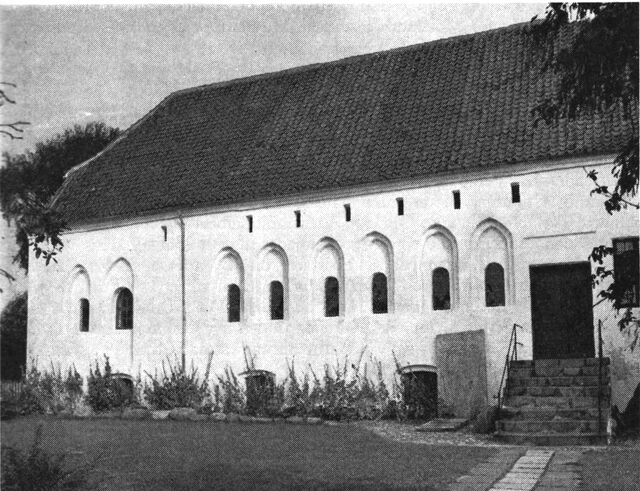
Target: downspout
{"x": 184, "y": 304}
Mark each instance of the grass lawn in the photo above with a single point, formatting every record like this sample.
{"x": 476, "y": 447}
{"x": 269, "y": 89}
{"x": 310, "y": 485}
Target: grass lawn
{"x": 612, "y": 469}
{"x": 205, "y": 455}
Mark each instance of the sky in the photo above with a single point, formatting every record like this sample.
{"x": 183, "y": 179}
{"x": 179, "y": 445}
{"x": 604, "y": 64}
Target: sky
{"x": 76, "y": 64}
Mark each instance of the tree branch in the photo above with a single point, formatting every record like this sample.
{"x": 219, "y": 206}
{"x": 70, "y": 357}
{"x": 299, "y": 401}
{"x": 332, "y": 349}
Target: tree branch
{"x": 13, "y": 127}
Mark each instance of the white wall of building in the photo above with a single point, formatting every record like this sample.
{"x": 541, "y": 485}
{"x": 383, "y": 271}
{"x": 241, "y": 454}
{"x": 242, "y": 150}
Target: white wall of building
{"x": 556, "y": 221}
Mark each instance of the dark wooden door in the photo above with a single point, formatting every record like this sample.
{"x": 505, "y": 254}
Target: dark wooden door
{"x": 561, "y": 311}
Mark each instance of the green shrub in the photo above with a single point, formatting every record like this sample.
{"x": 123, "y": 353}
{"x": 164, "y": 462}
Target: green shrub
{"x": 229, "y": 394}
{"x": 38, "y": 470}
{"x": 48, "y": 391}
{"x": 344, "y": 392}
{"x": 178, "y": 387}
{"x": 106, "y": 392}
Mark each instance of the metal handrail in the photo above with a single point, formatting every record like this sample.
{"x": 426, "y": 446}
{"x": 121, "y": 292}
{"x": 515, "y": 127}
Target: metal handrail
{"x": 600, "y": 342}
{"x": 511, "y": 356}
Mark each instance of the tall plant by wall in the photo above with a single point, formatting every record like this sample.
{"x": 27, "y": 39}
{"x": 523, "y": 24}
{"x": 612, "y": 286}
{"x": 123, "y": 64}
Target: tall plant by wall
{"x": 229, "y": 394}
{"x": 49, "y": 391}
{"x": 178, "y": 387}
{"x": 106, "y": 392}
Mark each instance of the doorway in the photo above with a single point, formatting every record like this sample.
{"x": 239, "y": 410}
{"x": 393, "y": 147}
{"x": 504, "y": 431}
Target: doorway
{"x": 561, "y": 311}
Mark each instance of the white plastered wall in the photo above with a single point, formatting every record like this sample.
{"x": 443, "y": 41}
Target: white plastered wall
{"x": 556, "y": 221}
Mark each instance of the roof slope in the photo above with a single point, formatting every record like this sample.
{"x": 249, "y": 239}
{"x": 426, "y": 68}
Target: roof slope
{"x": 447, "y": 105}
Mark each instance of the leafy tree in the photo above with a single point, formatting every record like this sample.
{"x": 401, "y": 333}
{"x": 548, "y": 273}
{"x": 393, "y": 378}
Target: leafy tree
{"x": 598, "y": 72}
{"x": 28, "y": 182}
{"x": 13, "y": 338}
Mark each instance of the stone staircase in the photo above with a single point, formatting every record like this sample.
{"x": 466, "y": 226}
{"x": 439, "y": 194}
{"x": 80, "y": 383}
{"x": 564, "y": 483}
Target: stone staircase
{"x": 555, "y": 402}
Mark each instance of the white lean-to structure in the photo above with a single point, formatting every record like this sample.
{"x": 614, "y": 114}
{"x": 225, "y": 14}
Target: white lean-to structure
{"x": 203, "y": 230}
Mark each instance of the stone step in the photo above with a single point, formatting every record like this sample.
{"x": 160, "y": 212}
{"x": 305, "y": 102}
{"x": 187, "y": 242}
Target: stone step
{"x": 558, "y": 425}
{"x": 554, "y": 401}
{"x": 443, "y": 424}
{"x": 553, "y": 391}
{"x": 547, "y": 413}
{"x": 552, "y": 439}
{"x": 557, "y": 371}
{"x": 562, "y": 362}
{"x": 580, "y": 380}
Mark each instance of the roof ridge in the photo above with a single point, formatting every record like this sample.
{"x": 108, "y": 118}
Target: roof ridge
{"x": 340, "y": 61}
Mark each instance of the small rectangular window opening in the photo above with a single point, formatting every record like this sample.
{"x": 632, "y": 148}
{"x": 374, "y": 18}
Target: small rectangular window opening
{"x": 298, "y": 219}
{"x": 456, "y": 200}
{"x": 84, "y": 315}
{"x": 164, "y": 231}
{"x": 347, "y": 213}
{"x": 515, "y": 192}
{"x": 250, "y": 222}
{"x": 626, "y": 272}
{"x": 400, "y": 206}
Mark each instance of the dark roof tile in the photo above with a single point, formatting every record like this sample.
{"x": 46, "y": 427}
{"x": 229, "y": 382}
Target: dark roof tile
{"x": 448, "y": 105}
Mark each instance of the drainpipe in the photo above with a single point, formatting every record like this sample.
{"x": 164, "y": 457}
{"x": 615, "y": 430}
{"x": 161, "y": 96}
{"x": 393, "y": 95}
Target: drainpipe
{"x": 182, "y": 284}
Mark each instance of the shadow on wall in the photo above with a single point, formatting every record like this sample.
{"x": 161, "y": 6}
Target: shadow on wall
{"x": 625, "y": 379}
{"x": 629, "y": 420}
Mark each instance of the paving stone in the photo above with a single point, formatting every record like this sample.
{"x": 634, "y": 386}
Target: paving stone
{"x": 519, "y": 478}
{"x": 526, "y": 472}
{"x": 468, "y": 487}
{"x": 443, "y": 424}
{"x": 512, "y": 485}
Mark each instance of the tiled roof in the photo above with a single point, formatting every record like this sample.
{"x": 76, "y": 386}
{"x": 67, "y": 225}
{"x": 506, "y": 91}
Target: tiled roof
{"x": 449, "y": 105}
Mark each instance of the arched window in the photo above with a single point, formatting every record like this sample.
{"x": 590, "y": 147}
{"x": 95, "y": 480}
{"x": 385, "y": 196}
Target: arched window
{"x": 124, "y": 309}
{"x": 276, "y": 300}
{"x": 379, "y": 300}
{"x": 84, "y": 315}
{"x": 441, "y": 289}
{"x": 494, "y": 285}
{"x": 233, "y": 303}
{"x": 331, "y": 297}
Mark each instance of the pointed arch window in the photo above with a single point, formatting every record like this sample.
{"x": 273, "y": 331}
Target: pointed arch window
{"x": 276, "y": 300}
{"x": 84, "y": 315}
{"x": 331, "y": 297}
{"x": 441, "y": 289}
{"x": 494, "y": 285}
{"x": 379, "y": 294}
{"x": 233, "y": 303}
{"x": 124, "y": 309}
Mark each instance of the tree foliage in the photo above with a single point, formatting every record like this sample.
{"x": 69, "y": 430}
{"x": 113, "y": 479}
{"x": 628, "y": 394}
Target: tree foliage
{"x": 13, "y": 338}
{"x": 28, "y": 181}
{"x": 597, "y": 69}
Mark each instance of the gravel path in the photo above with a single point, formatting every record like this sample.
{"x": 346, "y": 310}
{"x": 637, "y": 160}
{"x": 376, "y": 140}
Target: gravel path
{"x": 406, "y": 432}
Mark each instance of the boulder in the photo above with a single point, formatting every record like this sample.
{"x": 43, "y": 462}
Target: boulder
{"x": 136, "y": 413}
{"x": 262, "y": 420}
{"x": 65, "y": 413}
{"x": 485, "y": 421}
{"x": 111, "y": 414}
{"x": 233, "y": 418}
{"x": 160, "y": 414}
{"x": 198, "y": 417}
{"x": 314, "y": 421}
{"x": 182, "y": 413}
{"x": 219, "y": 417}
{"x": 82, "y": 412}
{"x": 295, "y": 420}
